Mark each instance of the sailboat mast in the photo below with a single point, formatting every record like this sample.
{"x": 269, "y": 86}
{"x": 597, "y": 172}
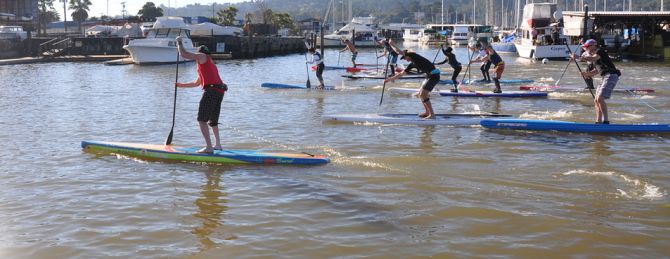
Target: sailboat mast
{"x": 442, "y": 9}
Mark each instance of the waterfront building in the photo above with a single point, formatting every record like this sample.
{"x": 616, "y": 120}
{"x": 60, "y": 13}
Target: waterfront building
{"x": 17, "y": 12}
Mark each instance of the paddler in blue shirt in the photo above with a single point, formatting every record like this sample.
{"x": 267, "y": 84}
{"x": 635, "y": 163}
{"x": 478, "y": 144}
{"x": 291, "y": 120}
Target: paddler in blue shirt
{"x": 610, "y": 75}
{"x": 432, "y": 78}
{"x": 390, "y": 50}
{"x": 451, "y": 59}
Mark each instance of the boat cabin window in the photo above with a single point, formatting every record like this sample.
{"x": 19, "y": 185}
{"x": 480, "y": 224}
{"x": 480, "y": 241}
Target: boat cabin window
{"x": 163, "y": 33}
{"x": 167, "y": 33}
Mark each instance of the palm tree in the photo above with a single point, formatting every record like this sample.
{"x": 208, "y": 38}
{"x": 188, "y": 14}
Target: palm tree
{"x": 44, "y": 9}
{"x": 80, "y": 8}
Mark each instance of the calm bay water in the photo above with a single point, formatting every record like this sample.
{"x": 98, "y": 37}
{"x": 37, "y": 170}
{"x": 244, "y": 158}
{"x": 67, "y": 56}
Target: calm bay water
{"x": 390, "y": 191}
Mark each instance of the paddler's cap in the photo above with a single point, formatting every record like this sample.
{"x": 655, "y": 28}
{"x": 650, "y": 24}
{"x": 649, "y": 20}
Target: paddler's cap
{"x": 589, "y": 43}
{"x": 204, "y": 49}
{"x": 404, "y": 54}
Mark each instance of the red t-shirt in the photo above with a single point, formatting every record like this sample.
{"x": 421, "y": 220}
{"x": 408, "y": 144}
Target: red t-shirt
{"x": 208, "y": 73}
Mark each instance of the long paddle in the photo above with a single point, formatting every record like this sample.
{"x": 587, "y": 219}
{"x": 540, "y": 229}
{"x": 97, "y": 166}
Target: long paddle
{"x": 307, "y": 84}
{"x": 338, "y": 57}
{"x": 468, "y": 68}
{"x": 566, "y": 69}
{"x": 388, "y": 60}
{"x": 168, "y": 141}
{"x": 377, "y": 59}
{"x": 580, "y": 69}
{"x": 438, "y": 53}
{"x": 435, "y": 58}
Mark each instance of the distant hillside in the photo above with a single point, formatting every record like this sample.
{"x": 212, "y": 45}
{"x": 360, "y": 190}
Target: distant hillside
{"x": 388, "y": 11}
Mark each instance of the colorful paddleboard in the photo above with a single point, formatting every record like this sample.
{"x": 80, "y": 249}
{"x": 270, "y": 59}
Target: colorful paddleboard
{"x": 566, "y": 126}
{"x": 480, "y": 82}
{"x": 414, "y": 119}
{"x": 285, "y": 86}
{"x": 581, "y": 89}
{"x": 189, "y": 154}
{"x": 504, "y": 94}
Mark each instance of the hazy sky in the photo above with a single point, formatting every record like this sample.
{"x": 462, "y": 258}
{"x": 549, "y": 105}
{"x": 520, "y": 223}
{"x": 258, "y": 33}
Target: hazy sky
{"x": 132, "y": 6}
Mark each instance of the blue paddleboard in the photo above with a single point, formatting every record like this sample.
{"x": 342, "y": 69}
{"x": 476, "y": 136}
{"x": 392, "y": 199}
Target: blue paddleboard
{"x": 479, "y": 82}
{"x": 504, "y": 94}
{"x": 566, "y": 126}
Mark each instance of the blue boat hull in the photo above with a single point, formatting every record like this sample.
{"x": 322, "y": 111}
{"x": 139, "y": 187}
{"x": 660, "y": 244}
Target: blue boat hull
{"x": 566, "y": 126}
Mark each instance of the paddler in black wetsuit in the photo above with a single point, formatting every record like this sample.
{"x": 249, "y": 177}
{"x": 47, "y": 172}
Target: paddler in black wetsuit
{"x": 499, "y": 65}
{"x": 486, "y": 64}
{"x": 610, "y": 75}
{"x": 432, "y": 78}
{"x": 450, "y": 58}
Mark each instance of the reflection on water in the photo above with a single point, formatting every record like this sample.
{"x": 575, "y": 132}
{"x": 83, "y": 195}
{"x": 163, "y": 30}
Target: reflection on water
{"x": 211, "y": 207}
{"x": 427, "y": 143}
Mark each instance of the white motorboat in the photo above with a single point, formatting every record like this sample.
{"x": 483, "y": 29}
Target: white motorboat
{"x": 361, "y": 30}
{"x": 160, "y": 46}
{"x": 535, "y": 33}
{"x": 462, "y": 34}
{"x": 459, "y": 35}
{"x": 412, "y": 34}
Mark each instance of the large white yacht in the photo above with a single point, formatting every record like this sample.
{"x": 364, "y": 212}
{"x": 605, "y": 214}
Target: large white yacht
{"x": 534, "y": 40}
{"x": 159, "y": 46}
{"x": 365, "y": 33}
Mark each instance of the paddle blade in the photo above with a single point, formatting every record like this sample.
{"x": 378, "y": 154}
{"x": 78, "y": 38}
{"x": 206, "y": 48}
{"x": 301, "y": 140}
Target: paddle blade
{"x": 168, "y": 141}
{"x": 355, "y": 69}
{"x": 308, "y": 84}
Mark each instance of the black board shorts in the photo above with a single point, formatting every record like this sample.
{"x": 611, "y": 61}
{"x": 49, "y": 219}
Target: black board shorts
{"x": 210, "y": 106}
{"x": 430, "y": 82}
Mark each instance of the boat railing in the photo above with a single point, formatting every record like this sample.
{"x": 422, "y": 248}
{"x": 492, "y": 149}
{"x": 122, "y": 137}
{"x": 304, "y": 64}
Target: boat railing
{"x": 54, "y": 47}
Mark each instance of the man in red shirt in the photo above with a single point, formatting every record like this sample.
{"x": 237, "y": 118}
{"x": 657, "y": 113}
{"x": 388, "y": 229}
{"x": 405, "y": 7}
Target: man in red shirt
{"x": 212, "y": 95}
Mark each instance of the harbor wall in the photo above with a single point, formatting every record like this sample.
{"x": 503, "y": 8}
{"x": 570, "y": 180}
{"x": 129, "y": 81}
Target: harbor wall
{"x": 236, "y": 47}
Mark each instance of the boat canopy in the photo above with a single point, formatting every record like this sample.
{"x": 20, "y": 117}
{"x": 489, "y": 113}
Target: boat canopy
{"x": 355, "y": 26}
{"x": 210, "y": 29}
{"x": 169, "y": 22}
